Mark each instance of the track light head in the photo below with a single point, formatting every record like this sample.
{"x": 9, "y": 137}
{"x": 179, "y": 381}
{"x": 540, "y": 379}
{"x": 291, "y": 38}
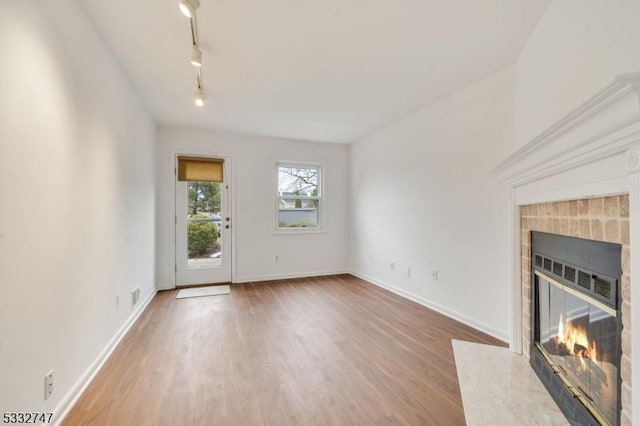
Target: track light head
{"x": 199, "y": 98}
{"x": 188, "y": 7}
{"x": 196, "y": 56}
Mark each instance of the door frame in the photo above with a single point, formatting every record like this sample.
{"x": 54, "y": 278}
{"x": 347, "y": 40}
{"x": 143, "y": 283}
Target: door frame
{"x": 228, "y": 162}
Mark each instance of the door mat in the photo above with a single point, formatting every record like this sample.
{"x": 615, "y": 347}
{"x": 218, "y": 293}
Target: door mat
{"x": 214, "y": 290}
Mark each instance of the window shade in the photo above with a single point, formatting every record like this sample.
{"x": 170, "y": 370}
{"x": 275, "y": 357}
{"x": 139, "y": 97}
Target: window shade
{"x": 200, "y": 169}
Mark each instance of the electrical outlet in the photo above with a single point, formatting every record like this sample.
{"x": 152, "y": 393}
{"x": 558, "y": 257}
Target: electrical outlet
{"x": 48, "y": 385}
{"x": 434, "y": 274}
{"x": 392, "y": 266}
{"x": 117, "y": 300}
{"x": 408, "y": 271}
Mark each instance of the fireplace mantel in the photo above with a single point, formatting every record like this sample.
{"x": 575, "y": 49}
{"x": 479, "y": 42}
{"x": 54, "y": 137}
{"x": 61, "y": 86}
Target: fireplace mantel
{"x": 592, "y": 152}
{"x": 607, "y": 124}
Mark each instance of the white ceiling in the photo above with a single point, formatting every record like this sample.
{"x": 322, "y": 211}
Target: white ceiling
{"x": 321, "y": 70}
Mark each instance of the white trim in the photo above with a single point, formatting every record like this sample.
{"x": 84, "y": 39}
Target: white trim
{"x": 161, "y": 287}
{"x": 70, "y": 399}
{"x": 471, "y": 322}
{"x": 289, "y": 275}
{"x": 298, "y": 231}
{"x": 515, "y": 292}
{"x": 601, "y": 189}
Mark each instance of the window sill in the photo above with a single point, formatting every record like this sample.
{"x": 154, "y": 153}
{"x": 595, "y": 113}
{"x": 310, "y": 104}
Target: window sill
{"x": 298, "y": 231}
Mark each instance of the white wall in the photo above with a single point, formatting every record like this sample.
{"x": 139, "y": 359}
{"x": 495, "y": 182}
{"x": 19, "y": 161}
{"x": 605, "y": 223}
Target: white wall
{"x": 253, "y": 186}
{"x": 577, "y": 48}
{"x": 422, "y": 197}
{"x": 77, "y": 191}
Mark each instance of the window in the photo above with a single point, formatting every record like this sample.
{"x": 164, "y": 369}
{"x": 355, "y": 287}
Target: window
{"x": 298, "y": 196}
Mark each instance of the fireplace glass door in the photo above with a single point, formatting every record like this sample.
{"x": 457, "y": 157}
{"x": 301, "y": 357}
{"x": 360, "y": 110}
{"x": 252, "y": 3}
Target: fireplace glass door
{"x": 580, "y": 337}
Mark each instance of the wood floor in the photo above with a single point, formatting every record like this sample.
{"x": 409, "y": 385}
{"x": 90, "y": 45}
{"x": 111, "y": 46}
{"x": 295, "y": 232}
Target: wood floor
{"x": 314, "y": 351}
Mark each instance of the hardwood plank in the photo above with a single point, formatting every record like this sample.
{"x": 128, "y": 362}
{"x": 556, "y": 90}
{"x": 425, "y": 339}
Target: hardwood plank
{"x": 315, "y": 351}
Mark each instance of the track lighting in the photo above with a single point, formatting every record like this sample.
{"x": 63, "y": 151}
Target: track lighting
{"x": 199, "y": 97}
{"x": 196, "y": 56}
{"x": 188, "y": 7}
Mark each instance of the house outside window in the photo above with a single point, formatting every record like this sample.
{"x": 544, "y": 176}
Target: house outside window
{"x": 298, "y": 196}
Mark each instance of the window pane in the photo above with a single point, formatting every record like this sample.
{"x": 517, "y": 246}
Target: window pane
{"x": 298, "y": 181}
{"x": 297, "y": 213}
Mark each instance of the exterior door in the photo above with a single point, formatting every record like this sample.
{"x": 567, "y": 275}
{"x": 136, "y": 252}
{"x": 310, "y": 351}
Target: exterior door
{"x": 203, "y": 221}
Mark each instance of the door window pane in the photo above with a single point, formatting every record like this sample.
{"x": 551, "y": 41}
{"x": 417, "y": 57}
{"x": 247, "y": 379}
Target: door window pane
{"x": 204, "y": 241}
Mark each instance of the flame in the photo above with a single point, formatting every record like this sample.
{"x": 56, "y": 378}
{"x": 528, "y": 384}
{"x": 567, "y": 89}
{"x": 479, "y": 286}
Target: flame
{"x": 574, "y": 337}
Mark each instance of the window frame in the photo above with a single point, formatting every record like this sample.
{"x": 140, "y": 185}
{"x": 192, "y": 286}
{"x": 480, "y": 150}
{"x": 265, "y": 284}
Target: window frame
{"x": 320, "y": 198}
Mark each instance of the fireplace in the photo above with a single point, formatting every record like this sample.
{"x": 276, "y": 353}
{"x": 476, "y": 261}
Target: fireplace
{"x": 580, "y": 178}
{"x": 576, "y": 325}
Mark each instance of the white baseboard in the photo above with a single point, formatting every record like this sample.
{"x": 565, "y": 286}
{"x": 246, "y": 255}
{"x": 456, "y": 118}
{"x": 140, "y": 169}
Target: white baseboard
{"x": 290, "y": 275}
{"x": 479, "y": 325}
{"x": 69, "y": 400}
{"x": 161, "y": 287}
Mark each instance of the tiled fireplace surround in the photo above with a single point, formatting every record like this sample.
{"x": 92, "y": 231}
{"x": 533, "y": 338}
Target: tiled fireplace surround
{"x": 601, "y": 219}
{"x": 581, "y": 178}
